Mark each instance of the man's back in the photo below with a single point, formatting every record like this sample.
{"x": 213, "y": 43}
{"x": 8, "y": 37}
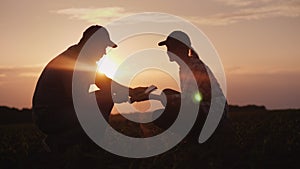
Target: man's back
{"x": 205, "y": 80}
{"x": 53, "y": 109}
{"x": 54, "y": 87}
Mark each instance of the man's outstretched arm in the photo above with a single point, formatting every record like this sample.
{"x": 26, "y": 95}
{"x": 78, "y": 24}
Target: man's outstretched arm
{"x": 120, "y": 93}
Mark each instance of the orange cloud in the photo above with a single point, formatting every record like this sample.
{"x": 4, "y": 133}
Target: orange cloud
{"x": 94, "y": 15}
{"x": 21, "y": 71}
{"x": 240, "y": 11}
{"x": 250, "y": 10}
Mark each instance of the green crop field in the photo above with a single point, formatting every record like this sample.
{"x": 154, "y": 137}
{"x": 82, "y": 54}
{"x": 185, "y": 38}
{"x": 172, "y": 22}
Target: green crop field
{"x": 262, "y": 139}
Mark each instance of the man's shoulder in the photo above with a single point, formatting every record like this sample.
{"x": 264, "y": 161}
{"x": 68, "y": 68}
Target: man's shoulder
{"x": 72, "y": 51}
{"x": 66, "y": 58}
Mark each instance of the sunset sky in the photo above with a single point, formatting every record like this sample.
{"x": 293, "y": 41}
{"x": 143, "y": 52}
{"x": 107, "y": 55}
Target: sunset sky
{"x": 257, "y": 40}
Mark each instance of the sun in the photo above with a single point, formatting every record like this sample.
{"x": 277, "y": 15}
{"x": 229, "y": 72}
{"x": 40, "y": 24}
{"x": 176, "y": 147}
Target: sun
{"x": 107, "y": 66}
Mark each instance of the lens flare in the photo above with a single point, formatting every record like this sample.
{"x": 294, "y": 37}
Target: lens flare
{"x": 197, "y": 97}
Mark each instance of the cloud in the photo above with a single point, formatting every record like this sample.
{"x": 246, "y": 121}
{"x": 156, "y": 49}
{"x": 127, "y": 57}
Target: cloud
{"x": 94, "y": 15}
{"x": 243, "y": 3}
{"x": 237, "y": 70}
{"x": 251, "y": 10}
{"x": 109, "y": 14}
{"x": 239, "y": 10}
{"x": 20, "y": 71}
{"x": 29, "y": 74}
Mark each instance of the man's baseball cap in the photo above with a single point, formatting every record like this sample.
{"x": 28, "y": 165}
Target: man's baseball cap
{"x": 176, "y": 36}
{"x": 103, "y": 32}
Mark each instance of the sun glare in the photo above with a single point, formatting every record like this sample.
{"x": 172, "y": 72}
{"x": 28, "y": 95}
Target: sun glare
{"x": 107, "y": 66}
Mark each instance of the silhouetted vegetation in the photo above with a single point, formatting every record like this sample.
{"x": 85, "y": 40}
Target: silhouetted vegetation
{"x": 264, "y": 139}
{"x": 13, "y": 115}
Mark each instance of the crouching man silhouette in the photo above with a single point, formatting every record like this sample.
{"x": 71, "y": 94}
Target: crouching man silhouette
{"x": 53, "y": 109}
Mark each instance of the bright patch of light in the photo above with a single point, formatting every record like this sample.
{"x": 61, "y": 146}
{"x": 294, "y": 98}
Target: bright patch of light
{"x": 93, "y": 88}
{"x": 197, "y": 97}
{"x": 107, "y": 66}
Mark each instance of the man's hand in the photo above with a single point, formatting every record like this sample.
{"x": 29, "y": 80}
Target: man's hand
{"x": 140, "y": 93}
{"x": 137, "y": 91}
